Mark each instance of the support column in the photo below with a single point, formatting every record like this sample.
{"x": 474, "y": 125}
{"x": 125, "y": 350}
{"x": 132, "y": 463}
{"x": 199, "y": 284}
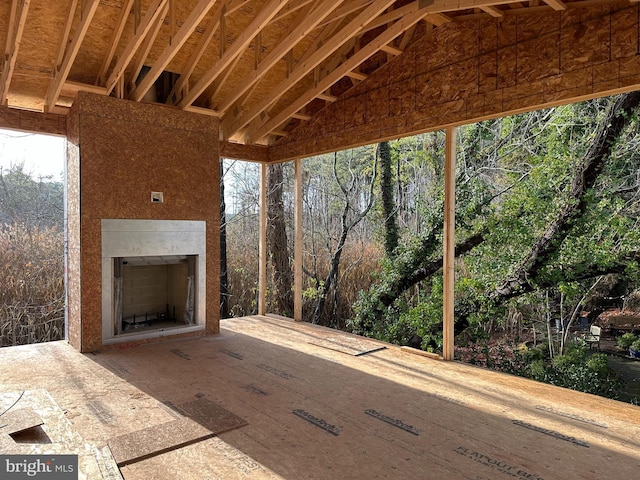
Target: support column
{"x": 262, "y": 253}
{"x": 297, "y": 244}
{"x": 449, "y": 243}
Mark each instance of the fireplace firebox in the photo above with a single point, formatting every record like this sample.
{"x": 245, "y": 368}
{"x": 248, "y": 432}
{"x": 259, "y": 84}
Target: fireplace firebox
{"x": 153, "y": 274}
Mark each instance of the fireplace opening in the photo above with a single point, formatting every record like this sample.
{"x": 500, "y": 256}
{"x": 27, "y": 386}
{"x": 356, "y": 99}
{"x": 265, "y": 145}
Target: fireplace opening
{"x": 153, "y": 293}
{"x": 154, "y": 278}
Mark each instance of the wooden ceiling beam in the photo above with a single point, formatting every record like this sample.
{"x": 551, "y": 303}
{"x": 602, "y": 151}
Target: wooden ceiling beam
{"x": 62, "y": 71}
{"x": 353, "y": 28}
{"x": 390, "y": 49}
{"x": 406, "y": 38}
{"x": 493, "y": 11}
{"x": 202, "y": 111}
{"x": 261, "y": 20}
{"x": 305, "y": 23}
{"x": 187, "y": 28}
{"x": 356, "y": 75}
{"x": 349, "y": 65}
{"x": 152, "y": 14}
{"x": 392, "y": 16}
{"x": 346, "y": 10}
{"x": 67, "y": 31}
{"x": 71, "y": 89}
{"x": 291, "y": 8}
{"x": 557, "y": 5}
{"x": 326, "y": 97}
{"x": 147, "y": 44}
{"x": 234, "y": 5}
{"x": 221, "y": 80}
{"x": 438, "y": 19}
{"x": 196, "y": 55}
{"x": 14, "y": 37}
{"x": 115, "y": 40}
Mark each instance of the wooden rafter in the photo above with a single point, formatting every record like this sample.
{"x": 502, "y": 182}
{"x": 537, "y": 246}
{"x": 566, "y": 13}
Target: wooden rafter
{"x": 393, "y": 15}
{"x": 71, "y": 89}
{"x": 67, "y": 31}
{"x": 134, "y": 43}
{"x": 62, "y": 71}
{"x": 304, "y": 24}
{"x": 14, "y": 37}
{"x": 190, "y": 24}
{"x": 438, "y": 19}
{"x": 493, "y": 11}
{"x": 147, "y": 44}
{"x": 196, "y": 55}
{"x": 349, "y": 65}
{"x": 259, "y": 22}
{"x": 406, "y": 38}
{"x": 356, "y": 75}
{"x": 115, "y": 40}
{"x": 231, "y": 126}
{"x": 292, "y": 7}
{"x": 221, "y": 80}
{"x": 390, "y": 49}
{"x": 323, "y": 37}
{"x": 346, "y": 10}
{"x": 556, "y": 4}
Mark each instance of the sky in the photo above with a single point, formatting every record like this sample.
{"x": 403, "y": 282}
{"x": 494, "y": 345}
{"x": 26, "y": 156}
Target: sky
{"x": 42, "y": 155}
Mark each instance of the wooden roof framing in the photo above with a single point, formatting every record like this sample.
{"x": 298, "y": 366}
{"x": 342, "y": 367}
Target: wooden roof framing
{"x": 269, "y": 68}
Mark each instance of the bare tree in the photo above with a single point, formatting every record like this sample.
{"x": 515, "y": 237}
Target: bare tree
{"x": 350, "y": 218}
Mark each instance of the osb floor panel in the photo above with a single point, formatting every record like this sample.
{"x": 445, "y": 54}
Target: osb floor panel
{"x": 316, "y": 412}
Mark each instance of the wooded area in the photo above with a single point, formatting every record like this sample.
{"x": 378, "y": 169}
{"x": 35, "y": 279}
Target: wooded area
{"x": 32, "y": 257}
{"x": 546, "y": 230}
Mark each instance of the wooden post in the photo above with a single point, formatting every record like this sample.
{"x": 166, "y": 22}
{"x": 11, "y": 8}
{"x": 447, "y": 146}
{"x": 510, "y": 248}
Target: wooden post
{"x": 297, "y": 244}
{"x": 262, "y": 255}
{"x": 449, "y": 244}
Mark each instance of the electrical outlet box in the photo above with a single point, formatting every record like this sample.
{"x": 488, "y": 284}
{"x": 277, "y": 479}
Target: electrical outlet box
{"x": 157, "y": 197}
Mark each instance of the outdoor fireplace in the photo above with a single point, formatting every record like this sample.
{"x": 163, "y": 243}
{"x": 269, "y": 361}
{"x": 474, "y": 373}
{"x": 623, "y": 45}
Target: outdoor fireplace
{"x": 153, "y": 278}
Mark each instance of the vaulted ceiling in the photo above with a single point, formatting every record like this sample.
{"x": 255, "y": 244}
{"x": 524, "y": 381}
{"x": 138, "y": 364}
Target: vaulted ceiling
{"x": 263, "y": 67}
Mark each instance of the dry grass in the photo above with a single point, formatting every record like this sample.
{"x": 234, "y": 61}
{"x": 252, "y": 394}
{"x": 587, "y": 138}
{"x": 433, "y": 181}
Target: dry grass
{"x": 31, "y": 285}
{"x": 358, "y": 267}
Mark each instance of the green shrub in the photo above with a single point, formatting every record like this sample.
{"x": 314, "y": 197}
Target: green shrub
{"x": 626, "y": 340}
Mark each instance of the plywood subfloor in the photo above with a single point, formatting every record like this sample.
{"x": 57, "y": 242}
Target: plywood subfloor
{"x": 315, "y": 412}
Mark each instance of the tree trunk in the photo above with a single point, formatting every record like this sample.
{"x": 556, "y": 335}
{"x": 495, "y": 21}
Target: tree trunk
{"x": 388, "y": 205}
{"x": 277, "y": 245}
{"x": 224, "y": 276}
